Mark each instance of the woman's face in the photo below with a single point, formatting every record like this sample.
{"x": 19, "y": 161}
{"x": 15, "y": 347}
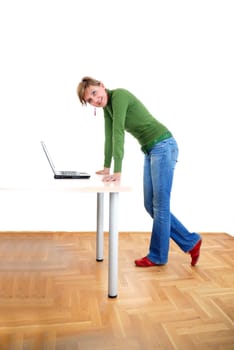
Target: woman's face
{"x": 96, "y": 95}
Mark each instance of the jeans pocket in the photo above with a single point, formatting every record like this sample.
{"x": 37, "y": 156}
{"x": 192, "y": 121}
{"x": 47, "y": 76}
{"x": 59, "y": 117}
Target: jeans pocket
{"x": 174, "y": 155}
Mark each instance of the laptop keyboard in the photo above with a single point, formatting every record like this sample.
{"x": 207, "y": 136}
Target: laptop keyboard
{"x": 68, "y": 172}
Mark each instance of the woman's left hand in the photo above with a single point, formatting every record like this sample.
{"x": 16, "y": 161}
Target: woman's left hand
{"x": 113, "y": 177}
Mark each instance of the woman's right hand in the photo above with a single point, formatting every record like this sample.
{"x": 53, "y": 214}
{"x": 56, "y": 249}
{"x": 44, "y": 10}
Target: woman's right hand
{"x": 105, "y": 171}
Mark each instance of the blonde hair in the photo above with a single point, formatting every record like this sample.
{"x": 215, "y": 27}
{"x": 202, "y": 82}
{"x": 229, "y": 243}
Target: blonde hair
{"x": 85, "y": 82}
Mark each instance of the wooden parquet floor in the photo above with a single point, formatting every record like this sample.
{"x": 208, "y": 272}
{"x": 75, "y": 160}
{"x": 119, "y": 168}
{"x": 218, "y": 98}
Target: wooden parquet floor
{"x": 53, "y": 295}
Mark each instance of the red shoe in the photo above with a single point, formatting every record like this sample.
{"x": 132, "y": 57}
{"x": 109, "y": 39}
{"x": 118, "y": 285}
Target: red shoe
{"x": 145, "y": 262}
{"x": 195, "y": 253}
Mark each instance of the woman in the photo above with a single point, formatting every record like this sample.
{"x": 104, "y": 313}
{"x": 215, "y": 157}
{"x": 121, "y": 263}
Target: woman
{"x": 124, "y": 112}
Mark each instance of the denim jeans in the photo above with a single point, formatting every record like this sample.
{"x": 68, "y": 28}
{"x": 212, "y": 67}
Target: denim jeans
{"x": 159, "y": 165}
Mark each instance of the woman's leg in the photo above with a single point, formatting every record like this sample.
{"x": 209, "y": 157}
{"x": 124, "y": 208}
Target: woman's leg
{"x": 183, "y": 238}
{"x": 148, "y": 187}
{"x": 158, "y": 183}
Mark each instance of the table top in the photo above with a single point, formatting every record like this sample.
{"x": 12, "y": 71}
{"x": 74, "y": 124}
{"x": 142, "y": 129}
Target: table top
{"x": 93, "y": 184}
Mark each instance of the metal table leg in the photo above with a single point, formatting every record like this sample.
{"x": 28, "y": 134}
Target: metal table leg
{"x": 113, "y": 245}
{"x": 100, "y": 230}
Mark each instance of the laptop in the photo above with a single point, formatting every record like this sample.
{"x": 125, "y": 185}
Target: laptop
{"x": 64, "y": 174}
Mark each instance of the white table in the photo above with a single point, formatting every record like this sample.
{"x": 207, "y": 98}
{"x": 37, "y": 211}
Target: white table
{"x": 95, "y": 185}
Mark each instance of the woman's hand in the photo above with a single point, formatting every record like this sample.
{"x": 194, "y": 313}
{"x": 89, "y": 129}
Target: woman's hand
{"x": 113, "y": 177}
{"x": 105, "y": 171}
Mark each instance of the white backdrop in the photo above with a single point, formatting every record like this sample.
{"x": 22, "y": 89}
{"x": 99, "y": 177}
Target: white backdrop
{"x": 176, "y": 56}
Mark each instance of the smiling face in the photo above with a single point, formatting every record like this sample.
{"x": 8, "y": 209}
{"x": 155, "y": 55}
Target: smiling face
{"x": 96, "y": 95}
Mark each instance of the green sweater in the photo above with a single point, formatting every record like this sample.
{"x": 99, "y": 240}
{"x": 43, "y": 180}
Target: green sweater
{"x": 125, "y": 112}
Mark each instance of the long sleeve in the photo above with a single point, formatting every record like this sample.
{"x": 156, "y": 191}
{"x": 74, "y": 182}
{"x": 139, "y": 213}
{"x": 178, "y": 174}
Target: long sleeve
{"x": 108, "y": 140}
{"x": 115, "y": 115}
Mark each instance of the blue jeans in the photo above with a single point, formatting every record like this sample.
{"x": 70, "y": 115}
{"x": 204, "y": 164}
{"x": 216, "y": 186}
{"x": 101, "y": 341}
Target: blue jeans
{"x": 159, "y": 168}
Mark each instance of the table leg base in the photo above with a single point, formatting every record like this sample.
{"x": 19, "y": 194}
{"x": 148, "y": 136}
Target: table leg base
{"x": 99, "y": 260}
{"x": 112, "y": 296}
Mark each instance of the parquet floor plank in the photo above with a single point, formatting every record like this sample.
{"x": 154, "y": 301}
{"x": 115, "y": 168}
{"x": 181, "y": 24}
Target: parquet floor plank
{"x": 53, "y": 295}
